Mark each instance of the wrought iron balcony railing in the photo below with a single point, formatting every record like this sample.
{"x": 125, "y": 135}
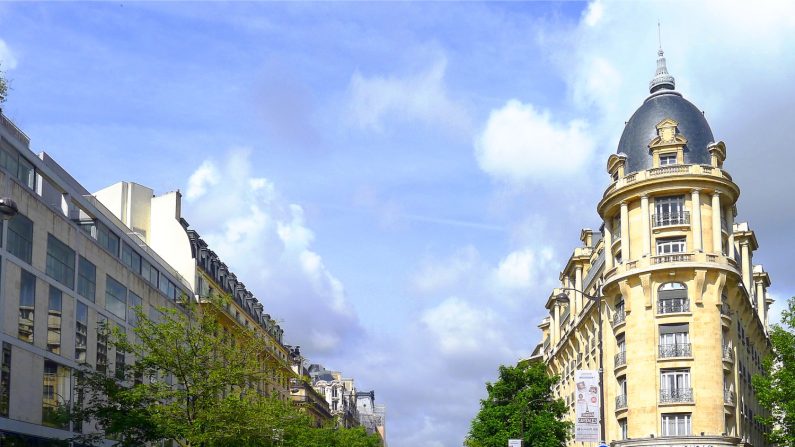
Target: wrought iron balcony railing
{"x": 675, "y": 350}
{"x": 621, "y": 359}
{"x": 621, "y": 401}
{"x": 725, "y": 309}
{"x": 673, "y": 306}
{"x": 728, "y": 397}
{"x": 668, "y": 219}
{"x": 676, "y": 395}
{"x": 619, "y": 317}
{"x": 728, "y": 354}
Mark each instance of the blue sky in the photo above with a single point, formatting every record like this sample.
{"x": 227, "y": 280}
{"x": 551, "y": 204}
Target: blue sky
{"x": 399, "y": 182}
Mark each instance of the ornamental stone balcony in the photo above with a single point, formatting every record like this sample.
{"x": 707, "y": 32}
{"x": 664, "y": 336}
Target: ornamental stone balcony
{"x": 665, "y": 171}
{"x": 695, "y": 259}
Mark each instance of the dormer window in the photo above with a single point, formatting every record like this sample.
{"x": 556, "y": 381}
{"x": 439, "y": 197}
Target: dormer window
{"x": 668, "y": 159}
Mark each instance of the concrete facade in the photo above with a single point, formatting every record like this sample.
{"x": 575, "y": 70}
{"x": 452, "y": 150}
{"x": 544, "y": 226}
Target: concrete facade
{"x": 684, "y": 309}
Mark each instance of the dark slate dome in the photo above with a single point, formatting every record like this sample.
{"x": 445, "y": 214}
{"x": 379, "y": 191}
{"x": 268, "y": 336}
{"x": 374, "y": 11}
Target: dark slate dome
{"x": 664, "y": 102}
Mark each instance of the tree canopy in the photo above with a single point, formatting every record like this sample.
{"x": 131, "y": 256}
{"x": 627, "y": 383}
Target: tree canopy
{"x": 520, "y": 403}
{"x": 192, "y": 381}
{"x": 3, "y": 86}
{"x": 776, "y": 389}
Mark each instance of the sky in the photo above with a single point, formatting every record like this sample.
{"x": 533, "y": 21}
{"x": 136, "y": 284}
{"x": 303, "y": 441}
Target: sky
{"x": 400, "y": 183}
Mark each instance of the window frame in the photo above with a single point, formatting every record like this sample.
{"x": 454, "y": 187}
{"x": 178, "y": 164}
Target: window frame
{"x": 61, "y": 270}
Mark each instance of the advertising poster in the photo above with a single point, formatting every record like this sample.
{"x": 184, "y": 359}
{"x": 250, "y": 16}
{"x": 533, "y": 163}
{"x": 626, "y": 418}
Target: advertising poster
{"x": 586, "y": 423}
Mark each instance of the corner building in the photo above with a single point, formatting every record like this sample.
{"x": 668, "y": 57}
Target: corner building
{"x": 684, "y": 308}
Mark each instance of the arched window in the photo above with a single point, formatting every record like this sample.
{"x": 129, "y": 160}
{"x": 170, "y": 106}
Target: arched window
{"x": 672, "y": 298}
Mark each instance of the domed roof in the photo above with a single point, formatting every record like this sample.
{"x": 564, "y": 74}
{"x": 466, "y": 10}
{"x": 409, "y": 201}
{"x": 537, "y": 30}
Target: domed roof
{"x": 664, "y": 102}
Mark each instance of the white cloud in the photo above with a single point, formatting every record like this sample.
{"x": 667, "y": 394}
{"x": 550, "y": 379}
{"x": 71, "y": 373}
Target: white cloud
{"x": 8, "y": 60}
{"x": 266, "y": 242}
{"x": 522, "y": 270}
{"x": 437, "y": 274}
{"x": 521, "y": 144}
{"x": 594, "y": 12}
{"x": 459, "y": 328}
{"x": 419, "y": 97}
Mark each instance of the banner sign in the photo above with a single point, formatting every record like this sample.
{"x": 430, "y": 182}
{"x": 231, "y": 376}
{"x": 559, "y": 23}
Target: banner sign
{"x": 514, "y": 443}
{"x": 586, "y": 423}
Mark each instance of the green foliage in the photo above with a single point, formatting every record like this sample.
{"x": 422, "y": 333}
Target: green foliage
{"x": 520, "y": 401}
{"x": 776, "y": 389}
{"x": 3, "y": 87}
{"x": 192, "y": 382}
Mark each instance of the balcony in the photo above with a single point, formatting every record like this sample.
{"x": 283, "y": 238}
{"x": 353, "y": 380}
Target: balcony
{"x": 728, "y": 354}
{"x": 670, "y": 219}
{"x": 621, "y": 359}
{"x": 725, "y": 310}
{"x": 676, "y": 395}
{"x": 673, "y": 258}
{"x": 621, "y": 401}
{"x": 673, "y": 306}
{"x": 668, "y": 351}
{"x": 619, "y": 317}
{"x": 728, "y": 397}
{"x": 665, "y": 171}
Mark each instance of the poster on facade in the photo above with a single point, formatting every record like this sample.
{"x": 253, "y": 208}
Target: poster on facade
{"x": 586, "y": 423}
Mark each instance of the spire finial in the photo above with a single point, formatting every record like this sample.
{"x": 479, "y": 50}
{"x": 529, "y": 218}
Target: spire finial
{"x": 661, "y": 80}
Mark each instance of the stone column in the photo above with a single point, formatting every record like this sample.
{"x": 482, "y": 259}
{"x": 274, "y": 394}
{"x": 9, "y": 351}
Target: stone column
{"x": 578, "y": 285}
{"x": 696, "y": 202}
{"x": 760, "y": 301}
{"x": 730, "y": 230}
{"x": 745, "y": 253}
{"x": 717, "y": 236}
{"x": 624, "y": 232}
{"x": 644, "y": 211}
{"x": 608, "y": 244}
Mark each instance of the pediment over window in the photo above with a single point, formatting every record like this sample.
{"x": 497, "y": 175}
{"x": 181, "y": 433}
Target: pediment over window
{"x": 667, "y": 135}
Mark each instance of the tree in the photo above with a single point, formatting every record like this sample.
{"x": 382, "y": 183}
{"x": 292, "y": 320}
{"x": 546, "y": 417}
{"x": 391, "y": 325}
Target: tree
{"x": 776, "y": 389}
{"x": 520, "y": 402}
{"x": 192, "y": 381}
{"x": 3, "y": 87}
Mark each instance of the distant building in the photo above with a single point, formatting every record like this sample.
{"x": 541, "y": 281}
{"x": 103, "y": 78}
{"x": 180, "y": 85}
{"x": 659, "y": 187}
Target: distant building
{"x": 303, "y": 394}
{"x": 339, "y": 392}
{"x": 371, "y": 416}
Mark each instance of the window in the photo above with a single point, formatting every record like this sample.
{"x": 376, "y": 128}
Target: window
{"x": 57, "y": 394}
{"x": 116, "y": 298}
{"x": 81, "y": 332}
{"x": 26, "y": 173}
{"x": 87, "y": 279}
{"x": 676, "y": 424}
{"x": 120, "y": 364}
{"x": 133, "y": 301}
{"x": 148, "y": 272}
{"x": 108, "y": 239}
{"x": 674, "y": 340}
{"x": 20, "y": 237}
{"x": 102, "y": 344}
{"x": 27, "y": 303}
{"x": 5, "y": 379}
{"x": 668, "y": 159}
{"x": 672, "y": 298}
{"x": 670, "y": 211}
{"x": 60, "y": 262}
{"x": 675, "y": 386}
{"x": 130, "y": 258}
{"x": 620, "y": 315}
{"x": 672, "y": 245}
{"x": 622, "y": 429}
{"x": 17, "y": 165}
{"x": 54, "y": 320}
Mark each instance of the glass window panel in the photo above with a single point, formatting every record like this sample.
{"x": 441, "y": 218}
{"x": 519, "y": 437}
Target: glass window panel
{"x": 27, "y": 302}
{"x": 87, "y": 279}
{"x": 20, "y": 237}
{"x": 5, "y": 379}
{"x": 102, "y": 344}
{"x": 26, "y": 173}
{"x": 107, "y": 239}
{"x": 133, "y": 301}
{"x": 57, "y": 394}
{"x": 81, "y": 332}
{"x": 60, "y": 262}
{"x": 116, "y": 298}
{"x": 54, "y": 319}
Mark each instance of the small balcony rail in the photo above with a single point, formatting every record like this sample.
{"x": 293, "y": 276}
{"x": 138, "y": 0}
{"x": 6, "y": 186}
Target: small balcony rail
{"x": 617, "y": 233}
{"x": 674, "y": 257}
{"x": 725, "y": 310}
{"x": 675, "y": 395}
{"x": 675, "y": 350}
{"x": 673, "y": 306}
{"x": 669, "y": 219}
{"x": 621, "y": 401}
{"x": 728, "y": 354}
{"x": 621, "y": 359}
{"x": 728, "y": 397}
{"x": 619, "y": 317}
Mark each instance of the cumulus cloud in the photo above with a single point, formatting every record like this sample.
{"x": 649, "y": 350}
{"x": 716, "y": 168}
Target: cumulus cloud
{"x": 521, "y": 144}
{"x": 452, "y": 325}
{"x": 524, "y": 269}
{"x": 420, "y": 97}
{"x": 8, "y": 60}
{"x": 266, "y": 242}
